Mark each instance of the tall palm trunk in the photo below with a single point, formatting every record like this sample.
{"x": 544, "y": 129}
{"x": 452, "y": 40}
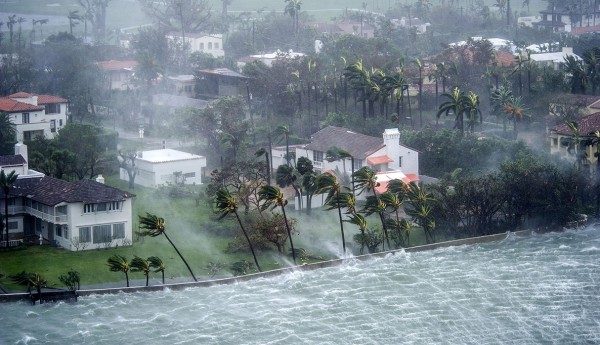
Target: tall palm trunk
{"x": 287, "y": 227}
{"x": 247, "y": 239}
{"x": 342, "y": 228}
{"x": 181, "y": 256}
{"x": 382, "y": 218}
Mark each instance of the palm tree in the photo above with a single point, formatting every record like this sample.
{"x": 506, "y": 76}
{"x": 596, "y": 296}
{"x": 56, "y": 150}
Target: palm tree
{"x": 591, "y": 58}
{"x": 360, "y": 221}
{"x": 292, "y": 8}
{"x": 225, "y": 204}
{"x": 328, "y": 183}
{"x": 273, "y": 197}
{"x": 393, "y": 201}
{"x": 515, "y": 110}
{"x": 6, "y": 182}
{"x": 31, "y": 280}
{"x": 576, "y": 73}
{"x": 158, "y": 265}
{"x": 283, "y": 132}
{"x": 454, "y": 105}
{"x": 359, "y": 79}
{"x": 395, "y": 83}
{"x": 118, "y": 263}
{"x": 574, "y": 142}
{"x": 262, "y": 152}
{"x": 421, "y": 210}
{"x": 74, "y": 19}
{"x": 420, "y": 66}
{"x": 500, "y": 98}
{"x": 8, "y": 132}
{"x": 140, "y": 265}
{"x": 472, "y": 110}
{"x": 366, "y": 180}
{"x": 155, "y": 226}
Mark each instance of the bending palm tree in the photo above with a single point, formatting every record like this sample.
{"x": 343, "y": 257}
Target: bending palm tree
{"x": 366, "y": 180}
{"x": 155, "y": 226}
{"x": 6, "y": 181}
{"x": 273, "y": 197}
{"x": 158, "y": 265}
{"x": 472, "y": 110}
{"x": 140, "y": 265}
{"x": 454, "y": 105}
{"x": 361, "y": 222}
{"x": 226, "y": 204}
{"x": 118, "y": 263}
{"x": 327, "y": 183}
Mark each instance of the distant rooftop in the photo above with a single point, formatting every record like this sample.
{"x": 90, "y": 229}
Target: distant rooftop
{"x": 166, "y": 155}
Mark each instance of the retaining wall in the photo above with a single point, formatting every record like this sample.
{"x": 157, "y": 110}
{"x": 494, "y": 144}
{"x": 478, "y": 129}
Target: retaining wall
{"x": 306, "y": 267}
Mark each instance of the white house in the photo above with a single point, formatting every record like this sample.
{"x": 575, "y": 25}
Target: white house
{"x": 167, "y": 166}
{"x": 119, "y": 73}
{"x": 35, "y": 115}
{"x": 201, "y": 42}
{"x": 555, "y": 59}
{"x": 385, "y": 154}
{"x": 79, "y": 215}
{"x": 269, "y": 58}
{"x": 182, "y": 85}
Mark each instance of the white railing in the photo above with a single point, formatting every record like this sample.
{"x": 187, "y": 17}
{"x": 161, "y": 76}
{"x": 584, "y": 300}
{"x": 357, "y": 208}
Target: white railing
{"x": 318, "y": 165}
{"x": 11, "y": 243}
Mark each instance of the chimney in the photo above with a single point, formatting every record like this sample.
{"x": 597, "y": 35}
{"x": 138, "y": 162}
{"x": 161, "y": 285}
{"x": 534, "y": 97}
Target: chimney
{"x": 21, "y": 149}
{"x": 100, "y": 179}
{"x": 567, "y": 50}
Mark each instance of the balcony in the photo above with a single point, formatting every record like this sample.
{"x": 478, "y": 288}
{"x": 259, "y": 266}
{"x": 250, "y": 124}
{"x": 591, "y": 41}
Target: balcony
{"x": 52, "y": 218}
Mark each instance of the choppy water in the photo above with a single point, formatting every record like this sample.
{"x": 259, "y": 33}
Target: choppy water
{"x": 538, "y": 290}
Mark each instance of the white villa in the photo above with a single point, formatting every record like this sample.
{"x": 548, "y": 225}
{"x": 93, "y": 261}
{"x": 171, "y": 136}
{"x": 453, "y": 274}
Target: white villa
{"x": 554, "y": 60}
{"x": 160, "y": 167}
{"x": 79, "y": 215}
{"x": 386, "y": 155}
{"x": 201, "y": 42}
{"x": 35, "y": 115}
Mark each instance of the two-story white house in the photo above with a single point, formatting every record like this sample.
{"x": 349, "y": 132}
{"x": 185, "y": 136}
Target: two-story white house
{"x": 79, "y": 215}
{"x": 118, "y": 73}
{"x": 386, "y": 155}
{"x": 201, "y": 42}
{"x": 35, "y": 115}
{"x": 167, "y": 166}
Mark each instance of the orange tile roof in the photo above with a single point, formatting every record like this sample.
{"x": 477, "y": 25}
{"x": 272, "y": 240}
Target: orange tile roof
{"x": 12, "y": 106}
{"x": 379, "y": 160}
{"x": 115, "y": 65}
{"x": 42, "y": 99}
{"x": 586, "y": 125}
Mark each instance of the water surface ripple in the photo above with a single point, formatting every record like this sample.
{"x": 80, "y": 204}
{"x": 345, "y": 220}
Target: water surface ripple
{"x": 537, "y": 290}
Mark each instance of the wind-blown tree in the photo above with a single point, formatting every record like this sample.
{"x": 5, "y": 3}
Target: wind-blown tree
{"x": 74, "y": 19}
{"x": 288, "y": 176}
{"x": 420, "y": 209}
{"x": 118, "y": 263}
{"x": 153, "y": 226}
{"x": 591, "y": 59}
{"x": 366, "y": 180}
{"x": 273, "y": 197}
{"x": 8, "y": 133}
{"x": 140, "y": 265}
{"x": 127, "y": 161}
{"x": 575, "y": 143}
{"x": 179, "y": 15}
{"x": 282, "y": 132}
{"x": 31, "y": 280}
{"x": 500, "y": 98}
{"x": 472, "y": 110}
{"x": 328, "y": 183}
{"x": 293, "y": 7}
{"x": 263, "y": 152}
{"x": 515, "y": 111}
{"x": 420, "y": 67}
{"x": 158, "y": 265}
{"x": 455, "y": 105}
{"x": 360, "y": 221}
{"x": 394, "y": 202}
{"x": 6, "y": 182}
{"x": 576, "y": 73}
{"x": 96, "y": 13}
{"x": 71, "y": 280}
{"x": 226, "y": 204}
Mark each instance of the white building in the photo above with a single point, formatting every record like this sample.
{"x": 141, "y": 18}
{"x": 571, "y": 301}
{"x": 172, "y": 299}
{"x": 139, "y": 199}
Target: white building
{"x": 201, "y": 42}
{"x": 385, "y": 154}
{"x": 35, "y": 115}
{"x": 182, "y": 85}
{"x": 77, "y": 215}
{"x": 119, "y": 73}
{"x": 167, "y": 166}
{"x": 269, "y": 58}
{"x": 555, "y": 59}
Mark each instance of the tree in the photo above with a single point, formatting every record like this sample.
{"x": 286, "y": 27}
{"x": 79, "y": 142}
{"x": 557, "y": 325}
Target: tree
{"x": 8, "y": 132}
{"x": 420, "y": 209}
{"x": 141, "y": 265}
{"x": 263, "y": 152}
{"x": 515, "y": 110}
{"x": 118, "y": 263}
{"x": 288, "y": 176}
{"x": 95, "y": 12}
{"x": 153, "y": 226}
{"x": 472, "y": 110}
{"x": 283, "y": 132}
{"x": 500, "y": 98}
{"x": 360, "y": 221}
{"x": 292, "y": 7}
{"x": 454, "y": 105}
{"x": 71, "y": 280}
{"x": 127, "y": 162}
{"x": 366, "y": 180}
{"x": 273, "y": 197}
{"x": 6, "y": 182}
{"x": 225, "y": 204}
{"x": 420, "y": 67}
{"x": 328, "y": 183}
{"x": 158, "y": 265}
{"x": 179, "y": 15}
{"x": 31, "y": 280}
{"x": 576, "y": 74}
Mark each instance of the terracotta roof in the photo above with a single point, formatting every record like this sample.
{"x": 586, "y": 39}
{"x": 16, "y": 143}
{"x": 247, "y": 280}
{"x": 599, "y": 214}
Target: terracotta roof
{"x": 20, "y": 94}
{"x": 42, "y": 99}
{"x": 12, "y": 160}
{"x": 115, "y": 65}
{"x": 10, "y": 105}
{"x": 51, "y": 191}
{"x": 586, "y": 125}
{"x": 379, "y": 160}
{"x": 226, "y": 72}
{"x": 580, "y": 100}
{"x": 358, "y": 145}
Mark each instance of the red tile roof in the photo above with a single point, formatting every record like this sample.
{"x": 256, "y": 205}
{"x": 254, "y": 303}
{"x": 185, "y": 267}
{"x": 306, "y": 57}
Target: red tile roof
{"x": 586, "y": 125}
{"x": 115, "y": 65}
{"x": 379, "y": 160}
{"x": 42, "y": 99}
{"x": 12, "y": 106}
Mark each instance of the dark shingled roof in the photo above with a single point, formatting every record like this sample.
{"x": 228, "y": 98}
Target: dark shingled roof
{"x": 12, "y": 160}
{"x": 586, "y": 125}
{"x": 51, "y": 191}
{"x": 358, "y": 145}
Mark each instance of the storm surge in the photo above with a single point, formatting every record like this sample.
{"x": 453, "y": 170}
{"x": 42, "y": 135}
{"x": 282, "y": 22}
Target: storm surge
{"x": 541, "y": 289}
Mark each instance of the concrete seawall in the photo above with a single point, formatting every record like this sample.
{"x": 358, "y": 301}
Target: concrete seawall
{"x": 307, "y": 267}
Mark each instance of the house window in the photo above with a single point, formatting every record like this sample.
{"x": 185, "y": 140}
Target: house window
{"x": 201, "y": 46}
{"x": 102, "y": 234}
{"x": 555, "y": 141}
{"x": 358, "y": 163}
{"x": 84, "y": 234}
{"x": 13, "y": 225}
{"x": 58, "y": 231}
{"x": 317, "y": 156}
{"x": 191, "y": 174}
{"x": 119, "y": 231}
{"x": 53, "y": 126}
{"x": 101, "y": 207}
{"x": 25, "y": 118}
{"x": 113, "y": 206}
{"x": 52, "y": 108}
{"x": 216, "y": 45}
{"x": 60, "y": 122}
{"x": 400, "y": 162}
{"x": 209, "y": 45}
{"x": 88, "y": 208}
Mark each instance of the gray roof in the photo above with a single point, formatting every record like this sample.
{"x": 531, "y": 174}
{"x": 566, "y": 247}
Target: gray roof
{"x": 358, "y": 145}
{"x": 11, "y": 160}
{"x": 52, "y": 191}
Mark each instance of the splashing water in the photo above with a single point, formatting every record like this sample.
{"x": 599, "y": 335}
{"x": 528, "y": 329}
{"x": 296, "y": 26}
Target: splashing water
{"x": 538, "y": 290}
